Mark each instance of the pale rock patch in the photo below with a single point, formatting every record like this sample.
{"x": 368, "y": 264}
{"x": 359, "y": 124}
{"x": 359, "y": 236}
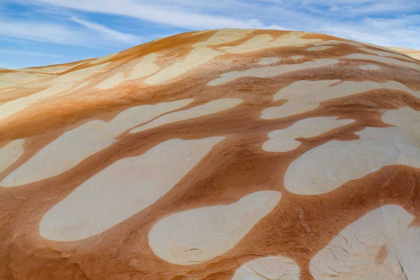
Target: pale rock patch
{"x": 123, "y": 189}
{"x": 283, "y": 140}
{"x": 112, "y": 81}
{"x": 264, "y": 41}
{"x": 270, "y": 71}
{"x": 196, "y": 57}
{"x": 304, "y": 96}
{"x": 18, "y": 78}
{"x": 352, "y": 254}
{"x": 329, "y": 166}
{"x": 370, "y": 67}
{"x": 197, "y": 235}
{"x": 223, "y": 36}
{"x": 271, "y": 267}
{"x": 4, "y": 84}
{"x": 209, "y": 108}
{"x": 145, "y": 67}
{"x": 200, "y": 54}
{"x": 337, "y": 42}
{"x": 297, "y": 57}
{"x": 10, "y": 153}
{"x": 12, "y": 107}
{"x": 268, "y": 60}
{"x": 82, "y": 142}
{"x": 319, "y": 48}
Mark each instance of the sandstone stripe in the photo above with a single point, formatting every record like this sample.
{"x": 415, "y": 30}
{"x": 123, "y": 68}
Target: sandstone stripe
{"x": 197, "y": 235}
{"x": 10, "y": 153}
{"x": 260, "y": 42}
{"x": 123, "y": 189}
{"x": 304, "y": 96}
{"x": 385, "y": 60}
{"x": 209, "y": 108}
{"x": 60, "y": 85}
{"x": 283, "y": 140}
{"x": 82, "y": 142}
{"x": 272, "y": 71}
{"x": 144, "y": 68}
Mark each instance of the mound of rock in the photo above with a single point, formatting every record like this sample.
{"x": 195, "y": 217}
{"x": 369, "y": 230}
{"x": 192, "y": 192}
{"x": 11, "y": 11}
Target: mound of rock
{"x": 222, "y": 154}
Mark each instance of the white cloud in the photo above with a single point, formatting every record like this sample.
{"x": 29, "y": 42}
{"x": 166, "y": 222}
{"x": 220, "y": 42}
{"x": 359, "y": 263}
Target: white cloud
{"x": 112, "y": 34}
{"x": 27, "y": 53}
{"x": 164, "y": 14}
{"x": 38, "y": 31}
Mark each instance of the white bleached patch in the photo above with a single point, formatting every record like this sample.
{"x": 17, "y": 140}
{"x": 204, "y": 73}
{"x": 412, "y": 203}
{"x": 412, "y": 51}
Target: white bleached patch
{"x": 18, "y": 78}
{"x": 196, "y": 57}
{"x": 319, "y": 48}
{"x": 283, "y": 140}
{"x": 112, "y": 81}
{"x": 200, "y": 54}
{"x": 353, "y": 253}
{"x": 297, "y": 57}
{"x": 12, "y": 107}
{"x": 10, "y": 153}
{"x": 384, "y": 60}
{"x": 268, "y": 60}
{"x": 82, "y": 142}
{"x": 209, "y": 108}
{"x": 123, "y": 189}
{"x": 337, "y": 42}
{"x": 223, "y": 36}
{"x": 264, "y": 41}
{"x": 271, "y": 267}
{"x": 144, "y": 68}
{"x": 370, "y": 67}
{"x": 271, "y": 71}
{"x": 304, "y": 96}
{"x": 79, "y": 75}
{"x": 330, "y": 165}
{"x": 195, "y": 236}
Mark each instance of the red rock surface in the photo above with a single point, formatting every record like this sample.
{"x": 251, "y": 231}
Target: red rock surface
{"x": 223, "y": 154}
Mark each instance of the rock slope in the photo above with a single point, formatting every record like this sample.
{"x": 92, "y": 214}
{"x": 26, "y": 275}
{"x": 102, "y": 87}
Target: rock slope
{"x": 222, "y": 154}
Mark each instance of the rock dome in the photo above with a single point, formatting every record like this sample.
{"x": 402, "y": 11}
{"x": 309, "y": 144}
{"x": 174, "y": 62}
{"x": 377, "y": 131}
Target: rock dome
{"x": 220, "y": 154}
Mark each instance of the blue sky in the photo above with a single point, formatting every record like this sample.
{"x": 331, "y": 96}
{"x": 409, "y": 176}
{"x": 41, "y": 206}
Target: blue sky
{"x": 44, "y": 32}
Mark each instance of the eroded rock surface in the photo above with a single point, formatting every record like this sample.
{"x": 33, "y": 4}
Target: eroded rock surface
{"x": 220, "y": 154}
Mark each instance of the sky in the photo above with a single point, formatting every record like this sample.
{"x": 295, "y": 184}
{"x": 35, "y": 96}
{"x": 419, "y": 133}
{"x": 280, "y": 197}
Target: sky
{"x": 45, "y": 32}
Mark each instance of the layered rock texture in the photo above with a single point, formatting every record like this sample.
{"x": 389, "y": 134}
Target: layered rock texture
{"x": 222, "y": 154}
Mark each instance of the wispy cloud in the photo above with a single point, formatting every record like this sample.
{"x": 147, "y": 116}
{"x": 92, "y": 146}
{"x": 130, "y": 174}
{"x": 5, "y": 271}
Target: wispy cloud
{"x": 354, "y": 19}
{"x": 112, "y": 34}
{"x": 27, "y": 53}
{"x": 40, "y": 31}
{"x": 170, "y": 14}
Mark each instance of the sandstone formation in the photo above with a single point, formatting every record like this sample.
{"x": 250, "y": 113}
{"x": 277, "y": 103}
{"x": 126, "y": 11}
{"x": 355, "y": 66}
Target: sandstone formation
{"x": 221, "y": 154}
